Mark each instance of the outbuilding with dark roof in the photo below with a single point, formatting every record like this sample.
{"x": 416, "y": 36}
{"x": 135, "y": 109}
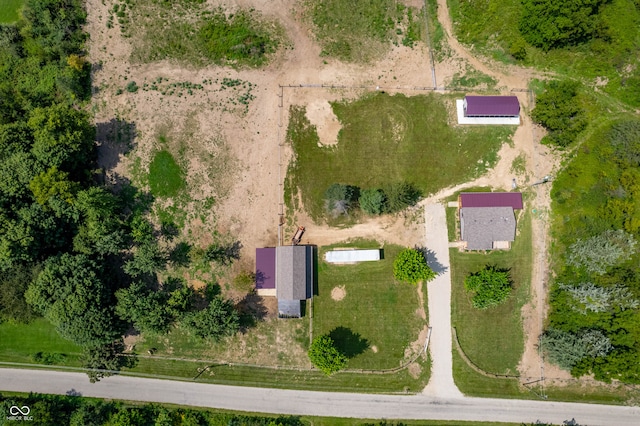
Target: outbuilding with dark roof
{"x": 287, "y": 273}
{"x": 491, "y": 106}
{"x": 491, "y": 199}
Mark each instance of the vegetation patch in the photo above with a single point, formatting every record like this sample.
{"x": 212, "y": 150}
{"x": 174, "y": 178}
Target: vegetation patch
{"x": 192, "y": 33}
{"x": 9, "y": 11}
{"x": 490, "y": 286}
{"x": 493, "y": 338}
{"x": 166, "y": 178}
{"x": 375, "y": 312}
{"x": 410, "y": 266}
{"x": 384, "y": 140}
{"x": 364, "y": 30}
{"x": 595, "y": 299}
{"x": 595, "y": 40}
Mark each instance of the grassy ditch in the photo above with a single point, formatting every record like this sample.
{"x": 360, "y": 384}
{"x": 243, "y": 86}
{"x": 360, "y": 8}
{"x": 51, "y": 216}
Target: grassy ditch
{"x": 376, "y": 319}
{"x": 387, "y": 139}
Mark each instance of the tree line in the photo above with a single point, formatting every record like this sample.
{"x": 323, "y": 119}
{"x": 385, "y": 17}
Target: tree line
{"x": 71, "y": 248}
{"x": 594, "y": 323}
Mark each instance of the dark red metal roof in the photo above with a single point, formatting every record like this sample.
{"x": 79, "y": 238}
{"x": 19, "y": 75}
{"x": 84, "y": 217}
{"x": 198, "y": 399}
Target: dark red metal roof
{"x": 491, "y": 199}
{"x": 492, "y": 106}
{"x": 265, "y": 267}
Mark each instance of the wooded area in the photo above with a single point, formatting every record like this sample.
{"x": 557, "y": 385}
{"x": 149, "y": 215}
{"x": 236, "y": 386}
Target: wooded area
{"x": 72, "y": 249}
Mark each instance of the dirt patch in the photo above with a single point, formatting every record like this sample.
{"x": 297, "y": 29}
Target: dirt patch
{"x": 338, "y": 293}
{"x": 414, "y": 370}
{"x": 321, "y": 115}
{"x": 374, "y": 348}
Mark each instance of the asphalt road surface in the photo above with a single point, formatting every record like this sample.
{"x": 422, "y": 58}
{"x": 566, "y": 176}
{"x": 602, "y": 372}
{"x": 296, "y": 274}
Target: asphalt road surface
{"x": 331, "y": 404}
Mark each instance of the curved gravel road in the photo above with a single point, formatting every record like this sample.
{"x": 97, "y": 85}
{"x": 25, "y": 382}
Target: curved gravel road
{"x": 280, "y": 401}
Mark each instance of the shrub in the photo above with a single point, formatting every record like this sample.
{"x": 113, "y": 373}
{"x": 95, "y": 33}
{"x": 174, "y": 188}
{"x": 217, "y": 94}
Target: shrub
{"x": 217, "y": 320}
{"x": 132, "y": 87}
{"x": 410, "y": 266}
{"x": 559, "y": 111}
{"x": 491, "y": 286}
{"x": 324, "y": 355}
{"x": 340, "y": 198}
{"x": 400, "y": 195}
{"x": 372, "y": 201}
{"x": 568, "y": 349}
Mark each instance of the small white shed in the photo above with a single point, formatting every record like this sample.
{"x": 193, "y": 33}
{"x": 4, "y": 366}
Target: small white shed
{"x": 352, "y": 256}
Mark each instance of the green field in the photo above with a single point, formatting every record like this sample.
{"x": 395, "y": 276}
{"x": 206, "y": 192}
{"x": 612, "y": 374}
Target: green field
{"x": 493, "y": 338}
{"x": 166, "y": 179}
{"x": 387, "y": 139}
{"x": 377, "y": 319}
{"x": 21, "y": 341}
{"x": 9, "y": 11}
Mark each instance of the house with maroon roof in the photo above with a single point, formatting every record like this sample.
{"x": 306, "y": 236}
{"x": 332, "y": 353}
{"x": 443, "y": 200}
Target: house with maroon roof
{"x": 487, "y": 219}
{"x": 285, "y": 272}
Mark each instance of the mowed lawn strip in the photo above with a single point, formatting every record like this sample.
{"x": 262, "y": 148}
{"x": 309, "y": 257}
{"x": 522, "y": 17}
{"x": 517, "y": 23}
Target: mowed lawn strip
{"x": 400, "y": 382}
{"x": 388, "y": 139}
{"x": 9, "y": 11}
{"x": 21, "y": 341}
{"x": 493, "y": 338}
{"x": 380, "y": 313}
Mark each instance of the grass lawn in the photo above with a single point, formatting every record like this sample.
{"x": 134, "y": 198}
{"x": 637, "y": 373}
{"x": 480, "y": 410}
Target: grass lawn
{"x": 400, "y": 382}
{"x": 166, "y": 179}
{"x": 21, "y": 341}
{"x": 9, "y": 11}
{"x": 386, "y": 139}
{"x": 376, "y": 321}
{"x": 493, "y": 338}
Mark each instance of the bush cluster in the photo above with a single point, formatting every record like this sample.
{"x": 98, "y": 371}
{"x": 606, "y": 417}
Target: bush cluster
{"x": 341, "y": 199}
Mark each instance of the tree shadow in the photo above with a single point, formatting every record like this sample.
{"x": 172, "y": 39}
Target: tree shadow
{"x": 179, "y": 255}
{"x": 115, "y": 138}
{"x": 432, "y": 261}
{"x": 347, "y": 342}
{"x": 252, "y": 310}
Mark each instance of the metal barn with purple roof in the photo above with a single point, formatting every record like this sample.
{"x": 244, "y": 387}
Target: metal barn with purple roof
{"x": 491, "y": 106}
{"x": 491, "y": 199}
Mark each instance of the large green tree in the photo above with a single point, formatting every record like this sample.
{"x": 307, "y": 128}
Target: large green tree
{"x": 558, "y": 109}
{"x": 549, "y": 24}
{"x": 325, "y": 356}
{"x": 410, "y": 266}
{"x": 145, "y": 308}
{"x": 216, "y": 321}
{"x": 70, "y": 293}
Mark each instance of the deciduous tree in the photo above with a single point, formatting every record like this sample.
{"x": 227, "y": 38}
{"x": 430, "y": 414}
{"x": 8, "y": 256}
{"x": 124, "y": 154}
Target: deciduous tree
{"x": 325, "y": 356}
{"x": 410, "y": 266}
{"x": 490, "y": 286}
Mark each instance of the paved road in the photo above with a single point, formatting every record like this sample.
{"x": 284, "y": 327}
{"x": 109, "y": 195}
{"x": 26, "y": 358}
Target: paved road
{"x": 439, "y": 299}
{"x": 315, "y": 403}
